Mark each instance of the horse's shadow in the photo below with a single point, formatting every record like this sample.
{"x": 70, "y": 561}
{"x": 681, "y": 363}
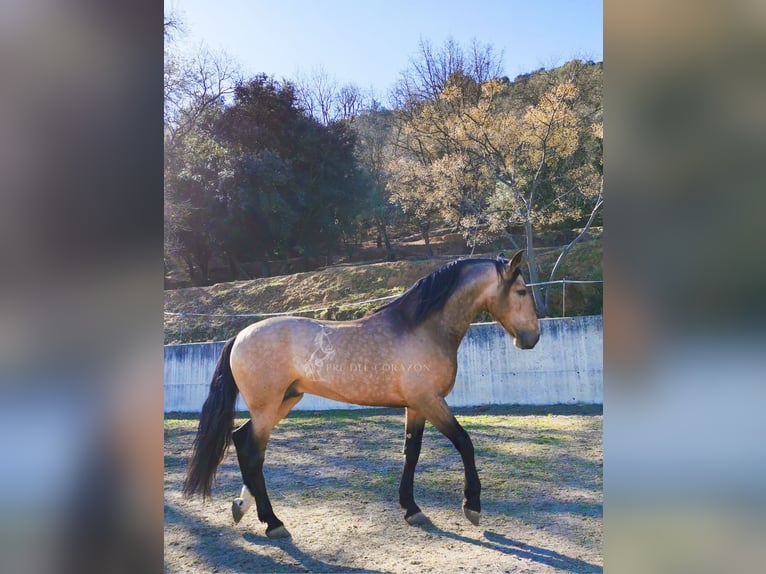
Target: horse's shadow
{"x": 229, "y": 555}
{"x": 505, "y": 545}
{"x": 309, "y": 563}
{"x": 223, "y": 553}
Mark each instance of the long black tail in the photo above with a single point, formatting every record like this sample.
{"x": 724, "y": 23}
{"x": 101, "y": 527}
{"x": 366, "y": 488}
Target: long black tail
{"x": 216, "y": 422}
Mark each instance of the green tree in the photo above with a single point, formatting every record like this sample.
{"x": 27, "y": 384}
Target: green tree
{"x": 198, "y": 170}
{"x": 373, "y": 130}
{"x": 297, "y": 184}
{"x": 195, "y": 88}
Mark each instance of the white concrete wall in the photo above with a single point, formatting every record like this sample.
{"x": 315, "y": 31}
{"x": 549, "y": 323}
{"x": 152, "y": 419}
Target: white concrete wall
{"x": 565, "y": 367}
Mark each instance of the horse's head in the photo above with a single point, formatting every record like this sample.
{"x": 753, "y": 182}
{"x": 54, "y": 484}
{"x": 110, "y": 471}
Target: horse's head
{"x": 511, "y": 304}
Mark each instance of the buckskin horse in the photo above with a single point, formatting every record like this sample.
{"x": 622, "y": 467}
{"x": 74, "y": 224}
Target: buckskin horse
{"x": 402, "y": 355}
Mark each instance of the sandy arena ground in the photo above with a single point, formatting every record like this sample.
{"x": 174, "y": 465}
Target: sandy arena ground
{"x": 333, "y": 479}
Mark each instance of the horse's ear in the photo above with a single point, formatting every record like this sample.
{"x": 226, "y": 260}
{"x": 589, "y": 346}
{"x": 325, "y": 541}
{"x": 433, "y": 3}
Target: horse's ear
{"x": 516, "y": 259}
{"x": 513, "y": 264}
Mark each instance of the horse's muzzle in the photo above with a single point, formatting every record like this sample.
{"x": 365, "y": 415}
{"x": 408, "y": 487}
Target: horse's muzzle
{"x": 526, "y": 339}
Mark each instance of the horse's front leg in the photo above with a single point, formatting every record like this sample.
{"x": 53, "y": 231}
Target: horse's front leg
{"x": 413, "y": 440}
{"x": 439, "y": 414}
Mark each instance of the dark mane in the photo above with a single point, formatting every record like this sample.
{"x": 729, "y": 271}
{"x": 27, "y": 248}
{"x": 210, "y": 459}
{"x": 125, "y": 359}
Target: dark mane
{"x": 433, "y": 291}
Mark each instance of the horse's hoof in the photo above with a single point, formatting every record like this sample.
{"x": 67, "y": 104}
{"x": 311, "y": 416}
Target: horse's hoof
{"x": 278, "y": 532}
{"x": 236, "y": 510}
{"x": 417, "y": 519}
{"x": 472, "y": 515}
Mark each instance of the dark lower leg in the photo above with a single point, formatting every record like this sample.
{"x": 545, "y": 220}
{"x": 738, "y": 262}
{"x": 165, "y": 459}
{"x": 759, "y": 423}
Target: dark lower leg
{"x": 442, "y": 418}
{"x": 412, "y": 443}
{"x": 251, "y": 455}
{"x": 472, "y": 485}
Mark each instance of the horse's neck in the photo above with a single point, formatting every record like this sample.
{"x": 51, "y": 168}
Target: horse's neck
{"x": 462, "y": 308}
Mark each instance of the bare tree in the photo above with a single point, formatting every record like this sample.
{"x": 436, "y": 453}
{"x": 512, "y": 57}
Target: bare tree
{"x": 484, "y": 62}
{"x": 173, "y": 24}
{"x": 305, "y": 96}
{"x": 430, "y": 69}
{"x": 194, "y": 84}
{"x": 321, "y": 97}
{"x": 350, "y": 101}
{"x": 318, "y": 94}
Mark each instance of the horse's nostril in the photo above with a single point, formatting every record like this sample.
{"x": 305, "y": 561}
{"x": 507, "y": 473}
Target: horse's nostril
{"x": 529, "y": 339}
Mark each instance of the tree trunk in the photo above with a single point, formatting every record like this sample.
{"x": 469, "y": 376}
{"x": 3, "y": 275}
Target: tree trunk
{"x": 542, "y": 308}
{"x": 265, "y": 270}
{"x": 233, "y": 271}
{"x": 348, "y": 246}
{"x": 201, "y": 256}
{"x": 425, "y": 232}
{"x": 189, "y": 267}
{"x": 204, "y": 271}
{"x": 383, "y": 233}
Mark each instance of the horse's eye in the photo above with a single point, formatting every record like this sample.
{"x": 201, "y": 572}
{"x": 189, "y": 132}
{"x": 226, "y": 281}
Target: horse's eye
{"x": 522, "y": 292}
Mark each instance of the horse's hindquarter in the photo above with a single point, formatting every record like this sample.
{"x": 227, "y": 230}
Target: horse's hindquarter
{"x": 261, "y": 361}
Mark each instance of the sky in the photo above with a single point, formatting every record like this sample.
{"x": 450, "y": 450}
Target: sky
{"x": 370, "y": 42}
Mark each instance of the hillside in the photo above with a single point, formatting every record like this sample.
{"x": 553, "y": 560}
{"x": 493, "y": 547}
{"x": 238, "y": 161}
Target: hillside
{"x": 345, "y": 284}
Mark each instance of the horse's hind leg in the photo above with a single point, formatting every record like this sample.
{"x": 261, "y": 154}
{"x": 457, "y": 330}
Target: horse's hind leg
{"x": 245, "y": 499}
{"x": 251, "y": 455}
{"x": 251, "y": 445}
{"x": 412, "y": 442}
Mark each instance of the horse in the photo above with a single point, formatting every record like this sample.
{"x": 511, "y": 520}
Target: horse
{"x": 402, "y": 355}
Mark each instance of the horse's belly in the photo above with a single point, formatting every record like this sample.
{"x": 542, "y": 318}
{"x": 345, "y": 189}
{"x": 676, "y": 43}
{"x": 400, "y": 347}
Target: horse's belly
{"x": 359, "y": 390}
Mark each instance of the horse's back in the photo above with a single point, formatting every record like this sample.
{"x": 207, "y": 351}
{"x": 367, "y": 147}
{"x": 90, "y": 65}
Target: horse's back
{"x": 275, "y": 326}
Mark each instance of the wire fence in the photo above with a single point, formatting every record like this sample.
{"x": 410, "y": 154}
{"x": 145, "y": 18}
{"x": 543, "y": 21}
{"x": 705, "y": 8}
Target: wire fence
{"x": 294, "y": 312}
{"x": 563, "y": 282}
